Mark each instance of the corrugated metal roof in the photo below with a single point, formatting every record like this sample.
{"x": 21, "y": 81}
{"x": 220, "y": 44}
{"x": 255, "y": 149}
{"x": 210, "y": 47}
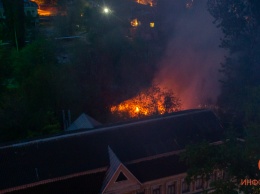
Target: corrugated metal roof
{"x": 83, "y": 151}
{"x": 114, "y": 164}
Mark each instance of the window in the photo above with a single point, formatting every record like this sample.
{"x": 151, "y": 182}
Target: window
{"x": 199, "y": 183}
{"x": 216, "y": 175}
{"x": 185, "y": 187}
{"x": 171, "y": 189}
{"x": 157, "y": 191}
{"x": 121, "y": 177}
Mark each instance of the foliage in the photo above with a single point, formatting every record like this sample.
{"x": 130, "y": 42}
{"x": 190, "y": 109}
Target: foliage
{"x": 88, "y": 74}
{"x": 150, "y": 101}
{"x": 240, "y": 24}
{"x": 14, "y": 22}
{"x": 27, "y": 97}
{"x": 239, "y": 101}
{"x": 233, "y": 157}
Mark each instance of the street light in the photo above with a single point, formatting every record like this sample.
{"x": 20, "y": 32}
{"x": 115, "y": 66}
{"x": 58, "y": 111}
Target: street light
{"x": 106, "y": 10}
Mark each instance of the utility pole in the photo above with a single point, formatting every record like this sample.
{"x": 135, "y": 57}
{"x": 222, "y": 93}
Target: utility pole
{"x": 15, "y": 37}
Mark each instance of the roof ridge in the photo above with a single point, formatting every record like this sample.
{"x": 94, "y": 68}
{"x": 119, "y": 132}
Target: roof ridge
{"x": 106, "y": 128}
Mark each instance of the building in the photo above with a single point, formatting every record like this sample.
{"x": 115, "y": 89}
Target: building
{"x": 30, "y": 9}
{"x": 137, "y": 157}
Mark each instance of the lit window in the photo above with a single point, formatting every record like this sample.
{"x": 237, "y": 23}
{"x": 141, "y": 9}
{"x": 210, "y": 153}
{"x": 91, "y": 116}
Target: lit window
{"x": 152, "y": 24}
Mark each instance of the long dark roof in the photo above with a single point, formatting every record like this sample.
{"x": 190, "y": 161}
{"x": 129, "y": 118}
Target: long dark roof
{"x": 157, "y": 168}
{"x": 58, "y": 156}
{"x": 90, "y": 183}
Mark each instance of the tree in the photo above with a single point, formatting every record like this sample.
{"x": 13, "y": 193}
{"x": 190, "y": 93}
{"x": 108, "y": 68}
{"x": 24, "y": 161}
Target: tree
{"x": 240, "y": 25}
{"x": 14, "y": 12}
{"x": 28, "y": 106}
{"x": 234, "y": 160}
{"x": 239, "y": 101}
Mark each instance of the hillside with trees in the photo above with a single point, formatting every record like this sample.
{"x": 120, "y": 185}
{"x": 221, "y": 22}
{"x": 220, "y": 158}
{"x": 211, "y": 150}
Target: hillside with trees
{"x": 47, "y": 75}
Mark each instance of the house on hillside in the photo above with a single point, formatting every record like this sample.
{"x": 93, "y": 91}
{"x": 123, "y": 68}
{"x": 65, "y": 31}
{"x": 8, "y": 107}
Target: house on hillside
{"x": 137, "y": 157}
{"x": 30, "y": 9}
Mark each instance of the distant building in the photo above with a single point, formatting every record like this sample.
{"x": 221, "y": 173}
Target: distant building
{"x": 138, "y": 157}
{"x": 30, "y": 9}
{"x": 83, "y": 122}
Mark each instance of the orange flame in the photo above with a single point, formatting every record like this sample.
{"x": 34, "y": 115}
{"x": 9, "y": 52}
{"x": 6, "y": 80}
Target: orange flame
{"x": 44, "y": 12}
{"x": 45, "y": 9}
{"x": 151, "y": 101}
{"x": 134, "y": 23}
{"x": 146, "y": 2}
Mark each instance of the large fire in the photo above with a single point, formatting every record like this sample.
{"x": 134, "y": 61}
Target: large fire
{"x": 46, "y": 10}
{"x": 151, "y": 101}
{"x": 42, "y": 12}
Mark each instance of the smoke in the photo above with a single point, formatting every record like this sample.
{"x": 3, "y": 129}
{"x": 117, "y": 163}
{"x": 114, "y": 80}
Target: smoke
{"x": 192, "y": 58}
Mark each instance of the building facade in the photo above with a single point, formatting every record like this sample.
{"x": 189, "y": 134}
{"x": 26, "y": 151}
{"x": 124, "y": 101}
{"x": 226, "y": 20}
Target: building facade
{"x": 137, "y": 157}
{"x": 30, "y": 9}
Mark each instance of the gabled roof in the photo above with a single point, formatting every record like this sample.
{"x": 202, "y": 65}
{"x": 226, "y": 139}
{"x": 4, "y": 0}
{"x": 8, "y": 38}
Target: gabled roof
{"x": 114, "y": 163}
{"x": 25, "y": 163}
{"x": 84, "y": 121}
{"x": 117, "y": 169}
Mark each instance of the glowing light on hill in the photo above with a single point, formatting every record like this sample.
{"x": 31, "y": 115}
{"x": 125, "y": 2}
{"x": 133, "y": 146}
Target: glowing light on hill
{"x": 135, "y": 23}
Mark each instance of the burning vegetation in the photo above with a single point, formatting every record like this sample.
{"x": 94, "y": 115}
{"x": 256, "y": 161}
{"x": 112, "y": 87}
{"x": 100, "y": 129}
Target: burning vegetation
{"x": 147, "y": 2}
{"x": 46, "y": 9}
{"x": 152, "y": 101}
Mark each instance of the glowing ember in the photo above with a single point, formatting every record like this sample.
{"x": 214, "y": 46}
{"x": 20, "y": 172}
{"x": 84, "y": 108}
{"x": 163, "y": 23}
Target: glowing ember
{"x": 44, "y": 12}
{"x": 134, "y": 23}
{"x": 151, "y": 101}
{"x": 146, "y": 2}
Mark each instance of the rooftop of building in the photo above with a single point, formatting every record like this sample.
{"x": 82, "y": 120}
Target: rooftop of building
{"x": 86, "y": 151}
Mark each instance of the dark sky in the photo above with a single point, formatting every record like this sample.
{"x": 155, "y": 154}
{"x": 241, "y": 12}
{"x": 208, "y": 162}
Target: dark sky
{"x": 190, "y": 64}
